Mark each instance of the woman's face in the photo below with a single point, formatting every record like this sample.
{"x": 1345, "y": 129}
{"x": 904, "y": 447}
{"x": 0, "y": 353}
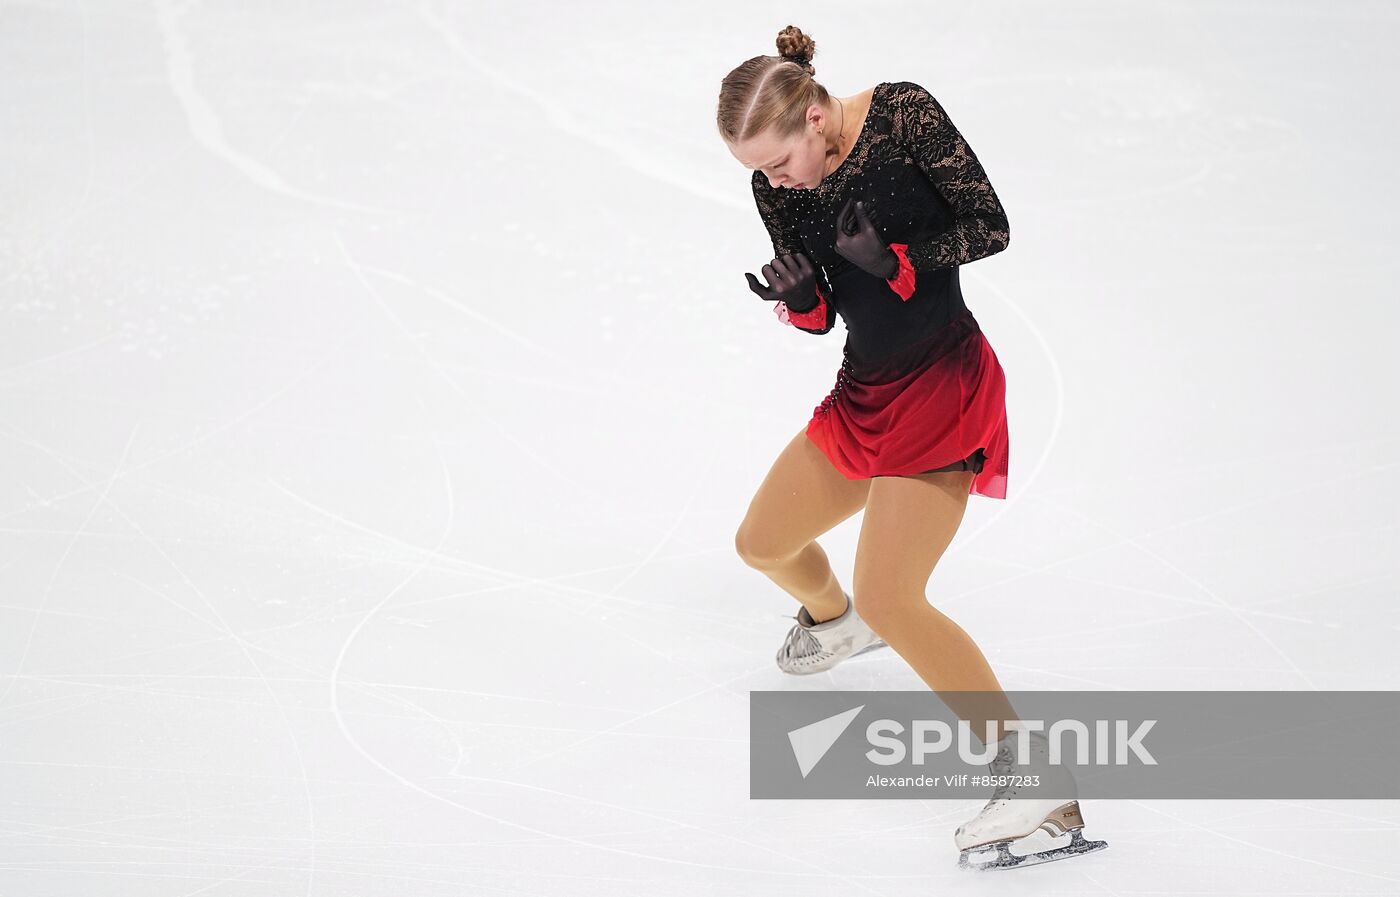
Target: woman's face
{"x": 798, "y": 163}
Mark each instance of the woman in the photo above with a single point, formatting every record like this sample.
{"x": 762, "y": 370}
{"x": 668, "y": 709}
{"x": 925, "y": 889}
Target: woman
{"x": 872, "y": 201}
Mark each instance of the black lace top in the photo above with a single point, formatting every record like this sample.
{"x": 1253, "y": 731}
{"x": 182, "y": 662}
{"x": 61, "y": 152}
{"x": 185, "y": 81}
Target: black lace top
{"x": 925, "y": 188}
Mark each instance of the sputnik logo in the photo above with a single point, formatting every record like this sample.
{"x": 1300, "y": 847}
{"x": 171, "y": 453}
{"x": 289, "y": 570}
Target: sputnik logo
{"x": 811, "y": 742}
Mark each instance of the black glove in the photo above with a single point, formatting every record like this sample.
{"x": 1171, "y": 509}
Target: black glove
{"x": 794, "y": 282}
{"x": 858, "y": 240}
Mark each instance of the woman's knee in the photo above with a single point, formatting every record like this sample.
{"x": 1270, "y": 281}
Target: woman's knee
{"x": 881, "y": 605}
{"x": 762, "y": 549}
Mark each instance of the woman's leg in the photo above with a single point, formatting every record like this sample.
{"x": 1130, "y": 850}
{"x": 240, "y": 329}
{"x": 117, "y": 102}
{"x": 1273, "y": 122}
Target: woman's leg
{"x": 909, "y": 523}
{"x": 802, "y": 497}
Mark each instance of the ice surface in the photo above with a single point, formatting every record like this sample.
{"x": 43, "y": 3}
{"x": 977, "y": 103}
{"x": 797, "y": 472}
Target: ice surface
{"x": 382, "y": 393}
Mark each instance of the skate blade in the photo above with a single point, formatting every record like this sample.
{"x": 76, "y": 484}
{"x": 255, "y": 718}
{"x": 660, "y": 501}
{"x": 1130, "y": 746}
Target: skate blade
{"x": 1002, "y": 858}
{"x": 873, "y": 646}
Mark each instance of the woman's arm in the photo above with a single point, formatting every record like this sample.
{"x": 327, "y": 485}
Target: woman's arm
{"x": 820, "y": 316}
{"x": 980, "y": 227}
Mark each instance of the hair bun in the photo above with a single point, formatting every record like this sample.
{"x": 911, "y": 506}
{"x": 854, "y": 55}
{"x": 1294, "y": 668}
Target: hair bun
{"x": 797, "y": 47}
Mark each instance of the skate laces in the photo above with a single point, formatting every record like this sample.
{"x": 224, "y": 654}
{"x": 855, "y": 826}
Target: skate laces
{"x": 800, "y": 643}
{"x": 1004, "y": 763}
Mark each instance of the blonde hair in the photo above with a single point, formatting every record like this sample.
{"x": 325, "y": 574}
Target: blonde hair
{"x": 771, "y": 91}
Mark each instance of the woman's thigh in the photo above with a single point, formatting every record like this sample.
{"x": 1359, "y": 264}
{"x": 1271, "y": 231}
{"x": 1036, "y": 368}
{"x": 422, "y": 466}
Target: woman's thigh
{"x": 909, "y": 522}
{"x": 802, "y": 497}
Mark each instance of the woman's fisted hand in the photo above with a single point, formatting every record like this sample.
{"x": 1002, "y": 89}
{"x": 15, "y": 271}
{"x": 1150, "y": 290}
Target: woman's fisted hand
{"x": 793, "y": 282}
{"x": 858, "y": 241}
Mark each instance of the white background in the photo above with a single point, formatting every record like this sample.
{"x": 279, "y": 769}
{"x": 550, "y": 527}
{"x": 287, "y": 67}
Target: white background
{"x": 382, "y": 393}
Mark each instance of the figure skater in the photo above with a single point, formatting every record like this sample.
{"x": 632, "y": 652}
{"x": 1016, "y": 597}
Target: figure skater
{"x": 872, "y": 202}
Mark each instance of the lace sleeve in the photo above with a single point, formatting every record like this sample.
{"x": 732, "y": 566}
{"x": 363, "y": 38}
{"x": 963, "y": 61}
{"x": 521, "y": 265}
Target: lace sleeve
{"x": 782, "y": 232}
{"x": 979, "y": 228}
{"x": 821, "y": 317}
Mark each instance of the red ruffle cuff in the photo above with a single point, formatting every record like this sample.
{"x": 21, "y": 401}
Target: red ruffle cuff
{"x": 814, "y": 317}
{"x": 903, "y": 282}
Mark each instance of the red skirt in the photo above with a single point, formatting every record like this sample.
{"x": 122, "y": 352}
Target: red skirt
{"x": 927, "y": 406}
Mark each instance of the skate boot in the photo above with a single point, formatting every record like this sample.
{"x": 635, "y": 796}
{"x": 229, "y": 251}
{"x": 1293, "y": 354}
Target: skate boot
{"x": 984, "y": 842}
{"x": 813, "y": 647}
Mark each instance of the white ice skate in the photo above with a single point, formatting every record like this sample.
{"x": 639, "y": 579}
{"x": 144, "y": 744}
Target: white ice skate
{"x": 985, "y": 841}
{"x": 813, "y": 647}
